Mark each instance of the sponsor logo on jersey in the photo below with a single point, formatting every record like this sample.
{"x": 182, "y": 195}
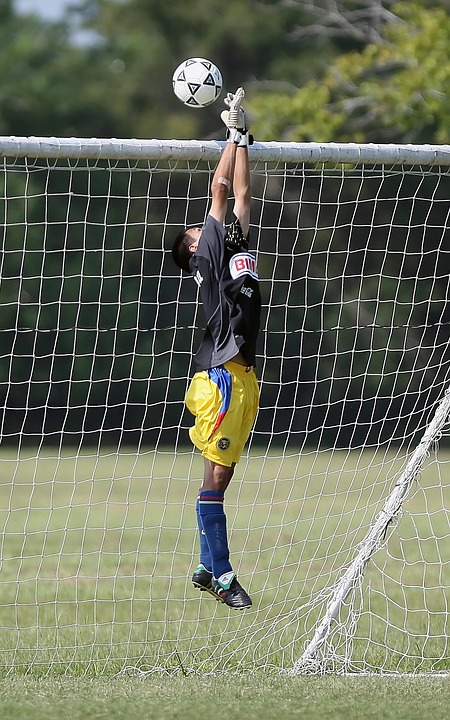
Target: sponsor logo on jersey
{"x": 247, "y": 291}
{"x": 243, "y": 264}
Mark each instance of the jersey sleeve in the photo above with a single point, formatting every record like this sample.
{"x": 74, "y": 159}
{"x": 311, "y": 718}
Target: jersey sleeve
{"x": 211, "y": 246}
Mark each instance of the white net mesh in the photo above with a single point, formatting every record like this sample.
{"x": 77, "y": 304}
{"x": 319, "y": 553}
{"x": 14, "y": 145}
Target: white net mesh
{"x": 98, "y": 482}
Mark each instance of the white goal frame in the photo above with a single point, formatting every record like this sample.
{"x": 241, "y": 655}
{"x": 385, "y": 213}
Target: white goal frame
{"x": 195, "y": 150}
{"x": 314, "y": 657}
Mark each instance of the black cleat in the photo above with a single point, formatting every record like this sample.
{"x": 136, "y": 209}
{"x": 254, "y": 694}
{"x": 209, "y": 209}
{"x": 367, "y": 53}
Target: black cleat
{"x": 234, "y": 596}
{"x": 202, "y": 579}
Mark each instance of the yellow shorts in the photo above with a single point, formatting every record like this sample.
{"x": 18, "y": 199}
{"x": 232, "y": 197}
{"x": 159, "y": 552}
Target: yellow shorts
{"x": 224, "y": 401}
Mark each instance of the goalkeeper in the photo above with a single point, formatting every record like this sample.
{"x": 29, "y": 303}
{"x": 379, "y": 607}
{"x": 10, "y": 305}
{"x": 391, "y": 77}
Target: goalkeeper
{"x": 223, "y": 394}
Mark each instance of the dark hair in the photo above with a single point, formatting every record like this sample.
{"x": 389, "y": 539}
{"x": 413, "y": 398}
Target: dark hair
{"x": 180, "y": 250}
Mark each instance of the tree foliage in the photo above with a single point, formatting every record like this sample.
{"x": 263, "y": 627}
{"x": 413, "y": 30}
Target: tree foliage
{"x": 145, "y": 40}
{"x": 393, "y": 90}
{"x": 348, "y": 70}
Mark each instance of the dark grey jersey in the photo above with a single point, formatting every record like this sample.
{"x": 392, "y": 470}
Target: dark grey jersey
{"x": 227, "y": 278}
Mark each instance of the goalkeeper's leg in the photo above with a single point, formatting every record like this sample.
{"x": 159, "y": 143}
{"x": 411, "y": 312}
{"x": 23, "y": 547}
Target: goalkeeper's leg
{"x": 224, "y": 585}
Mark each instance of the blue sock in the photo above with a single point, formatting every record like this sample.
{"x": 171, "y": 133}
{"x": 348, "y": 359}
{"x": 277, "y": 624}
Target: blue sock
{"x": 205, "y": 555}
{"x": 214, "y": 522}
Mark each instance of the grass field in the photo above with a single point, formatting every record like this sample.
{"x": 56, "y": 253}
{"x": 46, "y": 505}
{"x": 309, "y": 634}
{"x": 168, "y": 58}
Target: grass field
{"x": 265, "y": 698}
{"x": 97, "y": 551}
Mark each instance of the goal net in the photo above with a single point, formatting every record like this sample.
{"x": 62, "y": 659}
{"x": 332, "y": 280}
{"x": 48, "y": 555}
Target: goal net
{"x": 338, "y": 513}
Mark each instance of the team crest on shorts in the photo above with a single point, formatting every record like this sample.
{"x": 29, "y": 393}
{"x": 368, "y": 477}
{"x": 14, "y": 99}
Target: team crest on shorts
{"x": 223, "y": 443}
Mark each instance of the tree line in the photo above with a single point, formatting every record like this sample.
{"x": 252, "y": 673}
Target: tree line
{"x": 326, "y": 70}
{"x": 91, "y": 331}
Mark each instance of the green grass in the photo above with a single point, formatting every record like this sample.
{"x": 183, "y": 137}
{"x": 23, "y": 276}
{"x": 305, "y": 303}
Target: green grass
{"x": 97, "y": 552}
{"x": 162, "y": 698}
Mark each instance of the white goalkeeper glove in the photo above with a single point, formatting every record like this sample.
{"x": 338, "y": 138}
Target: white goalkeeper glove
{"x": 235, "y": 119}
{"x": 232, "y": 118}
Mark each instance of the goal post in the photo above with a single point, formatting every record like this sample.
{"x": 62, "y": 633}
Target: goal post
{"x": 339, "y": 508}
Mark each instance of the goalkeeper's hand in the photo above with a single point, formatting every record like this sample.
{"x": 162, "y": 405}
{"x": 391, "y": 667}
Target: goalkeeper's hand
{"x": 235, "y": 118}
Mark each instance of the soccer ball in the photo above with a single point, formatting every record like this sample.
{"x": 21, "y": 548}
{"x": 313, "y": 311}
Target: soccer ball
{"x": 197, "y": 82}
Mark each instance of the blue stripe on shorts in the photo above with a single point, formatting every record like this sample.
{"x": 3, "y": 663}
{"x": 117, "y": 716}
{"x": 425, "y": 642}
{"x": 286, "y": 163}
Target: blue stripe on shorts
{"x": 222, "y": 378}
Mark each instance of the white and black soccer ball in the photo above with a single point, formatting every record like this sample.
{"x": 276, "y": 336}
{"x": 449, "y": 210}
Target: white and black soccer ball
{"x": 197, "y": 82}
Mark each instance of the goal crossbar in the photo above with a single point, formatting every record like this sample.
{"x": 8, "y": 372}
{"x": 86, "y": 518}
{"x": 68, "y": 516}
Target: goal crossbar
{"x": 195, "y": 150}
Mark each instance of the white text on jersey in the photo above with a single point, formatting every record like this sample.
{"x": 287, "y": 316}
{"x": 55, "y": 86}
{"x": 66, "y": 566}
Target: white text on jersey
{"x": 198, "y": 278}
